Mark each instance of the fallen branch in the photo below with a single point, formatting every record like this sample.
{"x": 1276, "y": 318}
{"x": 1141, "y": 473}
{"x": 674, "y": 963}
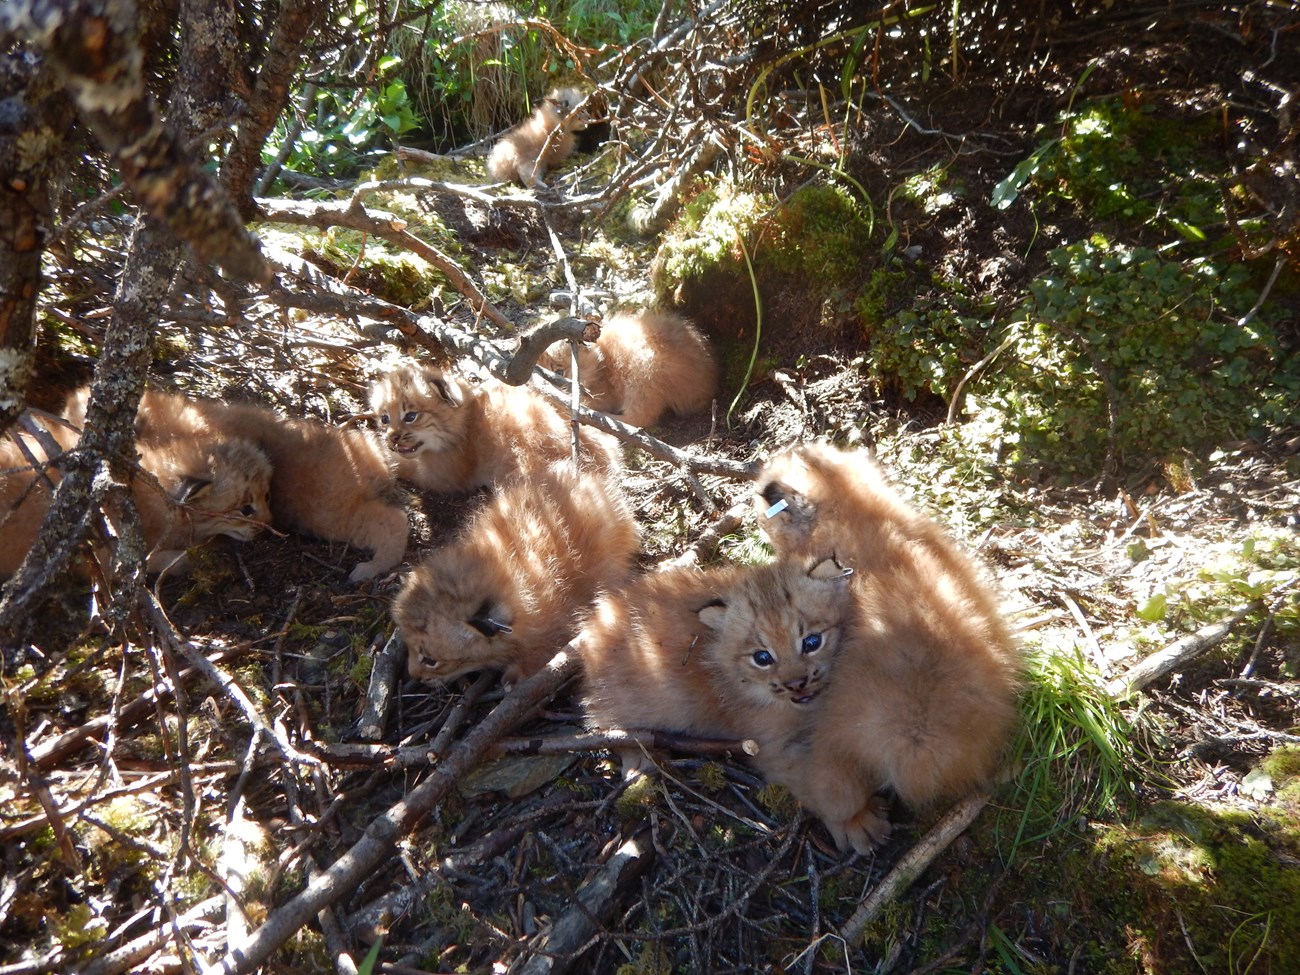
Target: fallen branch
{"x": 1179, "y": 652}
{"x": 913, "y": 864}
{"x": 599, "y": 741}
{"x": 384, "y": 670}
{"x": 349, "y": 870}
{"x": 534, "y": 342}
{"x": 131, "y": 955}
{"x": 388, "y": 226}
{"x": 704, "y": 546}
{"x": 553, "y": 951}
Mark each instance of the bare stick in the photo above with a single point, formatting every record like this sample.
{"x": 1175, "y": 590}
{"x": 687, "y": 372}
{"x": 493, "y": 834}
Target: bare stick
{"x": 376, "y": 845}
{"x": 912, "y": 865}
{"x": 534, "y": 342}
{"x": 133, "y": 953}
{"x": 599, "y": 741}
{"x": 703, "y": 546}
{"x": 554, "y": 950}
{"x": 1177, "y": 653}
{"x": 384, "y": 670}
{"x": 391, "y": 228}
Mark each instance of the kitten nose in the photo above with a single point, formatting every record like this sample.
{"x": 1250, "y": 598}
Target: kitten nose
{"x": 797, "y": 685}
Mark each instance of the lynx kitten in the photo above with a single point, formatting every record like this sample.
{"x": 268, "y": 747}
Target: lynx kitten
{"x": 326, "y": 481}
{"x": 199, "y": 488}
{"x": 728, "y": 652}
{"x": 444, "y": 436}
{"x": 541, "y": 142}
{"x": 508, "y": 593}
{"x": 643, "y": 365}
{"x": 926, "y": 682}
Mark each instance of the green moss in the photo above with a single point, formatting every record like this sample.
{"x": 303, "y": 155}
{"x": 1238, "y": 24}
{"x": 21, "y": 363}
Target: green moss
{"x": 820, "y": 233}
{"x": 711, "y": 777}
{"x": 359, "y": 671}
{"x": 779, "y": 801}
{"x": 707, "y": 234}
{"x": 650, "y": 960}
{"x": 401, "y": 278}
{"x": 639, "y": 796}
{"x": 1283, "y": 766}
{"x": 1228, "y": 878}
{"x": 1283, "y": 763}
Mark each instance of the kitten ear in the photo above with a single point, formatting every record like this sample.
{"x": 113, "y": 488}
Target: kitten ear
{"x": 448, "y": 389}
{"x": 777, "y": 496}
{"x": 191, "y": 489}
{"x": 829, "y": 569}
{"x": 712, "y": 614}
{"x": 487, "y": 621}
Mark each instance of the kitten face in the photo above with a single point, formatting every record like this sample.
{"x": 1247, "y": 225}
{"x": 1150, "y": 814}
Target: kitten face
{"x": 561, "y": 102}
{"x": 232, "y": 496}
{"x": 449, "y": 622}
{"x": 777, "y": 633}
{"x": 419, "y": 409}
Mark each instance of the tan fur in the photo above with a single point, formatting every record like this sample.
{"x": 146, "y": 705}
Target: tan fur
{"x": 643, "y": 365}
{"x": 445, "y": 436}
{"x": 532, "y": 560}
{"x": 924, "y": 695}
{"x": 839, "y": 502}
{"x": 675, "y": 652}
{"x": 923, "y": 701}
{"x": 541, "y": 142}
{"x": 326, "y": 481}
{"x": 203, "y": 488}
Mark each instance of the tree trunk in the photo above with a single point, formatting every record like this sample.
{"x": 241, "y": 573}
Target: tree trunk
{"x": 34, "y": 114}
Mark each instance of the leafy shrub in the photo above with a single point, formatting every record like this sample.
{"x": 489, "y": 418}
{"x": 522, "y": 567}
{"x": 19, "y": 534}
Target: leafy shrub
{"x": 346, "y": 126}
{"x": 1125, "y": 163}
{"x": 1126, "y": 354}
{"x": 927, "y": 344}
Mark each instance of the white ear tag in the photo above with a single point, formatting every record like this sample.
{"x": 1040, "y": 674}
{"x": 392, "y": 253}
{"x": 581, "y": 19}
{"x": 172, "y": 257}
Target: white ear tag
{"x": 776, "y": 509}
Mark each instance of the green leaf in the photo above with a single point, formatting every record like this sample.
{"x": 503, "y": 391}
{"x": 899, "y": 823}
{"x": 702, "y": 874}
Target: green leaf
{"x": 368, "y": 964}
{"x": 1257, "y": 785}
{"x": 1154, "y": 608}
{"x": 1187, "y": 230}
{"x": 1005, "y": 193}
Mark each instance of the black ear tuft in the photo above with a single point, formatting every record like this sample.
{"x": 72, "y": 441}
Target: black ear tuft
{"x": 450, "y": 391}
{"x": 485, "y": 622}
{"x": 191, "y": 489}
{"x": 488, "y": 626}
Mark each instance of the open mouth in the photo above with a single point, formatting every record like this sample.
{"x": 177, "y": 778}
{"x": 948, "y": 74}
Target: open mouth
{"x": 405, "y": 448}
{"x": 805, "y": 698}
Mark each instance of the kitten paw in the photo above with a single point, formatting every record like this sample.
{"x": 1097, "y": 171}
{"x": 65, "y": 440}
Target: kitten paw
{"x": 866, "y": 829}
{"x": 365, "y": 571}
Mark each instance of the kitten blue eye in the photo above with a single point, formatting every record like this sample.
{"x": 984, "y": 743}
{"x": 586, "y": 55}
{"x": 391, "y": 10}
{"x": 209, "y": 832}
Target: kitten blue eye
{"x": 811, "y": 643}
{"x": 763, "y": 658}
{"x": 409, "y": 417}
